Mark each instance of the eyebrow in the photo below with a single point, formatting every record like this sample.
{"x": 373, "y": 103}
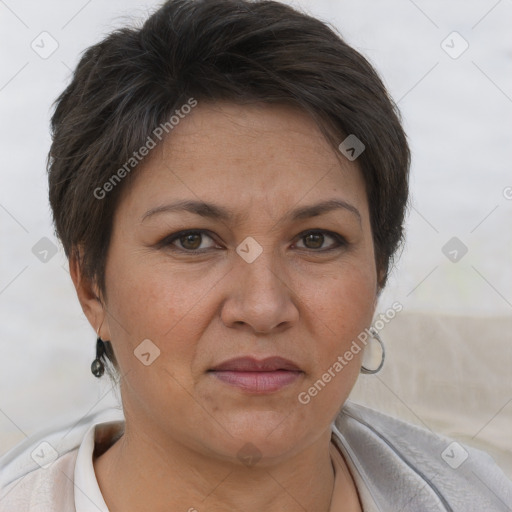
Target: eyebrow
{"x": 216, "y": 212}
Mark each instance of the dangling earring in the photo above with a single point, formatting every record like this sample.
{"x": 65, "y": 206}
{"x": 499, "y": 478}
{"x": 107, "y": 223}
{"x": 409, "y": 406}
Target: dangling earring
{"x": 97, "y": 366}
{"x": 375, "y": 335}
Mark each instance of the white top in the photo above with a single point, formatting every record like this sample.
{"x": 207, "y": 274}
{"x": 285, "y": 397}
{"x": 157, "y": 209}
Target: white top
{"x": 88, "y": 497}
{"x": 395, "y": 465}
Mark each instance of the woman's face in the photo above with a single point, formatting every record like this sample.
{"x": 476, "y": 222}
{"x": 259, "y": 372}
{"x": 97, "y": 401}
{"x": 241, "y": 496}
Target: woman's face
{"x": 254, "y": 279}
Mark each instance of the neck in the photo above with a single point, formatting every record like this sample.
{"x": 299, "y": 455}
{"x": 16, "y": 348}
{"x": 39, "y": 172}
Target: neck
{"x": 167, "y": 475}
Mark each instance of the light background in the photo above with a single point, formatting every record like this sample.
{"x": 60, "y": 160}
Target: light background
{"x": 457, "y": 113}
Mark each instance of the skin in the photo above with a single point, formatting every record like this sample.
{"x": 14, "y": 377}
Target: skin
{"x": 184, "y": 427}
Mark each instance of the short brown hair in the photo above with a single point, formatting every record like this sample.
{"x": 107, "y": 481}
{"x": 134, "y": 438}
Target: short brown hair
{"x": 235, "y": 50}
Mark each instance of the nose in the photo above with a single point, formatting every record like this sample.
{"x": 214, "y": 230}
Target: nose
{"x": 260, "y": 297}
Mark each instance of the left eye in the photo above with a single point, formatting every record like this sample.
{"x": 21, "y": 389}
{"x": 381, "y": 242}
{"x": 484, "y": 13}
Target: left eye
{"x": 315, "y": 239}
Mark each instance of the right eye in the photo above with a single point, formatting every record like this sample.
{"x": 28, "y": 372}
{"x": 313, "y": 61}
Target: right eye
{"x": 189, "y": 241}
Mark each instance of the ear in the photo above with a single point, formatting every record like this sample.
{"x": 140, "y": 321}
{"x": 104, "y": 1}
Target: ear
{"x": 381, "y": 277}
{"x": 89, "y": 296}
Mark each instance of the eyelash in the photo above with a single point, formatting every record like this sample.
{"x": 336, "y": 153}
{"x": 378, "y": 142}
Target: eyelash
{"x": 167, "y": 242}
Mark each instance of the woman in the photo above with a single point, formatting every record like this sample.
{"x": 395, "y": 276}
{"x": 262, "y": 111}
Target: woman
{"x": 229, "y": 184}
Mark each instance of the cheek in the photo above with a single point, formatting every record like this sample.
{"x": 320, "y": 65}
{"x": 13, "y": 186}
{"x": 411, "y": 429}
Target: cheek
{"x": 344, "y": 303}
{"x": 155, "y": 302}
{"x": 148, "y": 303}
{"x": 341, "y": 310}
{"x": 141, "y": 293}
{"x": 356, "y": 297}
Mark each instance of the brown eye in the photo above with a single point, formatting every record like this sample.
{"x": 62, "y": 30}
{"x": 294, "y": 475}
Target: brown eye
{"x": 187, "y": 241}
{"x": 315, "y": 239}
{"x": 191, "y": 241}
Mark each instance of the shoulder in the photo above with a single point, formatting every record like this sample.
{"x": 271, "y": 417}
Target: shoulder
{"x": 39, "y": 473}
{"x": 400, "y": 461}
{"x": 43, "y": 489}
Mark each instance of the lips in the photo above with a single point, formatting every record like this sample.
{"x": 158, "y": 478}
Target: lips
{"x": 250, "y": 364}
{"x": 255, "y": 376}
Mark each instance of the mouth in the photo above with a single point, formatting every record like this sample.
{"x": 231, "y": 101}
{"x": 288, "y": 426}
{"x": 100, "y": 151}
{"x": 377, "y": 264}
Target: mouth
{"x": 257, "y": 376}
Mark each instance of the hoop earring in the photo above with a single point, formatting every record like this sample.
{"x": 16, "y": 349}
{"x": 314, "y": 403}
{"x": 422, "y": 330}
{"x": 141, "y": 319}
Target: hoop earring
{"x": 97, "y": 366}
{"x": 368, "y": 371}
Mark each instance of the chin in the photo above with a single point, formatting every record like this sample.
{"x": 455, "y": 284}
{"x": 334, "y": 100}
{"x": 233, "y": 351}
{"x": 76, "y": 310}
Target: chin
{"x": 269, "y": 434}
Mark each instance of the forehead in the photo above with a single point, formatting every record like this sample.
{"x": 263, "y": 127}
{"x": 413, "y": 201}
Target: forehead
{"x": 266, "y": 156}
{"x": 243, "y": 134}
